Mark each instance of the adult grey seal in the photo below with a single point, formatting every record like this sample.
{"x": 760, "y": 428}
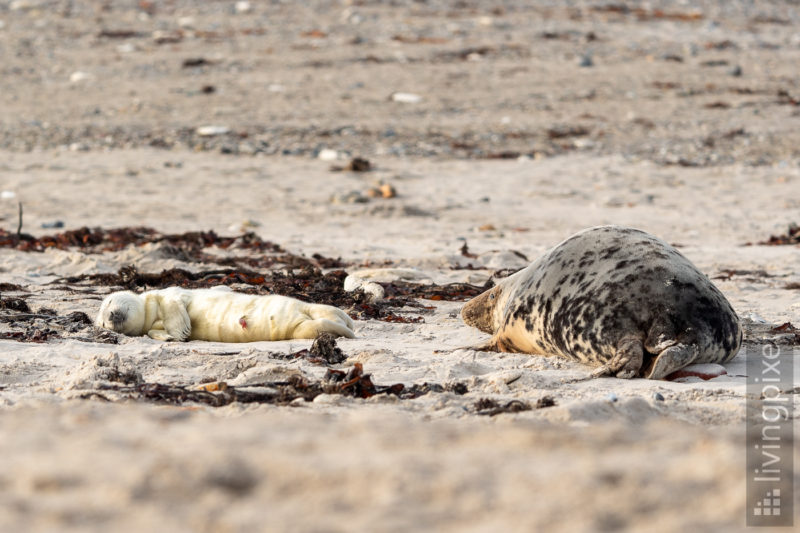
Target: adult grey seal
{"x": 219, "y": 314}
{"x": 615, "y": 297}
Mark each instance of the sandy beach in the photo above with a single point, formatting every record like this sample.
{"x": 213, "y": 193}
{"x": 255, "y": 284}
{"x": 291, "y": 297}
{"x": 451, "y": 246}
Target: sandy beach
{"x": 215, "y": 143}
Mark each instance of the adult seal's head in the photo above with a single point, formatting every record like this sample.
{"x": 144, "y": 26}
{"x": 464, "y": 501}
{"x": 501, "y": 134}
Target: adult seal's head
{"x": 613, "y": 297}
{"x": 123, "y": 312}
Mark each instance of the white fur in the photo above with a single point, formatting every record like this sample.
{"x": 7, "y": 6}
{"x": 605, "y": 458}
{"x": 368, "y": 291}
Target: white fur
{"x": 219, "y": 314}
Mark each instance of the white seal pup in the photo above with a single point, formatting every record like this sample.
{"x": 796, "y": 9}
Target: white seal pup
{"x": 615, "y": 297}
{"x": 219, "y": 314}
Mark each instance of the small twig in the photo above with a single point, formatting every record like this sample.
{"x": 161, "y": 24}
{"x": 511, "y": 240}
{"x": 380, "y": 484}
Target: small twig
{"x": 19, "y": 227}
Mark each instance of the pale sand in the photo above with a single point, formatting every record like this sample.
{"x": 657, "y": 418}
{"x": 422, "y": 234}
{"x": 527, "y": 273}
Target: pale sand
{"x": 587, "y": 464}
{"x": 299, "y": 77}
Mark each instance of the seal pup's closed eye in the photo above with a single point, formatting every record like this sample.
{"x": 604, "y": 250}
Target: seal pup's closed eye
{"x": 219, "y": 315}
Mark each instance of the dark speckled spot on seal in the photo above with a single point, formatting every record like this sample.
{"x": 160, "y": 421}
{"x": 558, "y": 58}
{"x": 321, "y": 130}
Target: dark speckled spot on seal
{"x": 609, "y": 252}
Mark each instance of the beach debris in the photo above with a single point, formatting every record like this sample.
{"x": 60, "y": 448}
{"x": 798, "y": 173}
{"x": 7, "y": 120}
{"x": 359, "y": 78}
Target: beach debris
{"x": 119, "y": 34}
{"x": 752, "y": 275}
{"x": 465, "y": 251}
{"x": 383, "y": 190}
{"x": 193, "y": 62}
{"x": 8, "y": 195}
{"x": 406, "y": 98}
{"x": 357, "y": 164}
{"x": 545, "y": 401}
{"x": 789, "y": 331}
{"x": 167, "y": 36}
{"x": 352, "y": 382}
{"x": 611, "y": 397}
{"x": 314, "y": 34}
{"x": 45, "y": 324}
{"x": 643, "y": 14}
{"x": 55, "y": 224}
{"x": 586, "y": 61}
{"x": 657, "y": 396}
{"x": 490, "y": 407}
{"x": 323, "y": 351}
{"x": 792, "y": 236}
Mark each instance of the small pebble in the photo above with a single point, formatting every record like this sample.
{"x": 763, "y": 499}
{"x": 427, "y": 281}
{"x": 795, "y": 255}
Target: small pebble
{"x": 8, "y": 195}
{"x": 736, "y": 71}
{"x": 658, "y": 397}
{"x": 77, "y": 77}
{"x": 612, "y": 397}
{"x": 586, "y": 61}
{"x": 210, "y": 131}
{"x": 243, "y": 7}
{"x": 327, "y": 154}
{"x": 53, "y": 224}
{"x": 407, "y": 98}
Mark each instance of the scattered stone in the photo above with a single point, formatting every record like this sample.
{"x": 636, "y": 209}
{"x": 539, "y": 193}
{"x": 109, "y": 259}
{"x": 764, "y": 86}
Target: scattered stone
{"x": 211, "y": 131}
{"x": 242, "y": 7}
{"x": 735, "y": 71}
{"x": 53, "y": 224}
{"x": 79, "y": 76}
{"x": 352, "y": 197}
{"x": 657, "y": 396}
{"x": 406, "y": 98}
{"x": 328, "y": 154}
{"x": 611, "y": 397}
{"x": 586, "y": 61}
{"x": 8, "y": 195}
{"x": 167, "y": 36}
{"x": 373, "y": 291}
{"x": 186, "y": 22}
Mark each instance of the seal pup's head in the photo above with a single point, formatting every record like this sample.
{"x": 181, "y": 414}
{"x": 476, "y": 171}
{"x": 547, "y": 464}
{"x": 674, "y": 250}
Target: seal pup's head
{"x": 122, "y": 312}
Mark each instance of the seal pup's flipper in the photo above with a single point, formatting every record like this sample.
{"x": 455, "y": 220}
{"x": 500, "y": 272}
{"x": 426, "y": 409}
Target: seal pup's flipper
{"x": 311, "y": 329}
{"x": 175, "y": 322}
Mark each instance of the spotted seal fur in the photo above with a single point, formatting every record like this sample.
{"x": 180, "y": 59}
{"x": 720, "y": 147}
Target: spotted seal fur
{"x": 219, "y": 314}
{"x": 613, "y": 297}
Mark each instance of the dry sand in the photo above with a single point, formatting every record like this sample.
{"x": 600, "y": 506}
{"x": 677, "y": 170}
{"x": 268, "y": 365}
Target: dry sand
{"x": 119, "y": 147}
